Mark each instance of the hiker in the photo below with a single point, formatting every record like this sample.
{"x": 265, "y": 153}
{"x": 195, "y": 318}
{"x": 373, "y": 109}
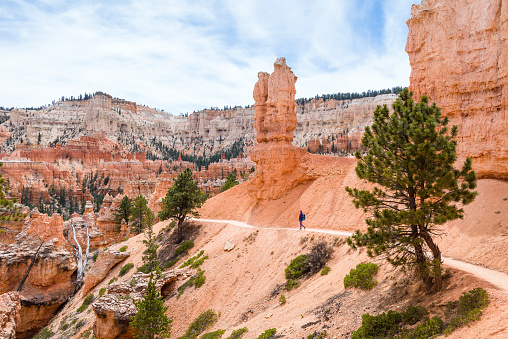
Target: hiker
{"x": 301, "y": 218}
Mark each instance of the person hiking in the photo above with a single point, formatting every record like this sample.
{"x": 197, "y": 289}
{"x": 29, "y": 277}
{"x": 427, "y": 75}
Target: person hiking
{"x": 301, "y": 218}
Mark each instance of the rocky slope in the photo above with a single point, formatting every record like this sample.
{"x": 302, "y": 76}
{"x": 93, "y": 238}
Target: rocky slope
{"x": 459, "y": 57}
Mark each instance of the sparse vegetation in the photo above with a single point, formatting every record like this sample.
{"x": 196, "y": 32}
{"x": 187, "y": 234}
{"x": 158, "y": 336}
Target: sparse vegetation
{"x": 468, "y": 308}
{"x": 213, "y": 335}
{"x": 204, "y": 321}
{"x": 237, "y": 334}
{"x": 282, "y": 299}
{"x": 45, "y": 333}
{"x": 112, "y": 280}
{"x": 88, "y": 300}
{"x": 86, "y": 334}
{"x": 125, "y": 268}
{"x": 393, "y": 324}
{"x": 268, "y": 334}
{"x": 123, "y": 248}
{"x": 325, "y": 270}
{"x": 102, "y": 291}
{"x": 307, "y": 264}
{"x": 184, "y": 247}
{"x": 190, "y": 261}
{"x": 197, "y": 281}
{"x": 361, "y": 276}
{"x": 317, "y": 335}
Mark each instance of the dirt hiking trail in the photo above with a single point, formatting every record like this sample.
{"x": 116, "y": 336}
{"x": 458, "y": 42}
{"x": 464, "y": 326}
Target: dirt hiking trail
{"x": 498, "y": 279}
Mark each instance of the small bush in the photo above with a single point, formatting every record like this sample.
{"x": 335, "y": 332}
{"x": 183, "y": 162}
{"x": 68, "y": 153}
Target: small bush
{"x": 123, "y": 248}
{"x": 88, "y": 300}
{"x": 282, "y": 299}
{"x": 414, "y": 314}
{"x": 197, "y": 281}
{"x": 325, "y": 270}
{"x": 291, "y": 283}
{"x": 468, "y": 308}
{"x": 380, "y": 326}
{"x": 190, "y": 261}
{"x": 171, "y": 263}
{"x": 200, "y": 324}
{"x": 125, "y": 268}
{"x": 144, "y": 269}
{"x": 428, "y": 329}
{"x": 268, "y": 333}
{"x": 213, "y": 335}
{"x": 63, "y": 327}
{"x": 237, "y": 334}
{"x": 361, "y": 276}
{"x": 102, "y": 291}
{"x": 319, "y": 255}
{"x": 94, "y": 257}
{"x": 296, "y": 268}
{"x": 184, "y": 247}
{"x": 112, "y": 280}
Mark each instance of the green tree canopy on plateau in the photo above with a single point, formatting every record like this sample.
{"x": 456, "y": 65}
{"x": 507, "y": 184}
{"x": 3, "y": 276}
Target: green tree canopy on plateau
{"x": 8, "y": 209}
{"x": 410, "y": 160}
{"x": 182, "y": 200}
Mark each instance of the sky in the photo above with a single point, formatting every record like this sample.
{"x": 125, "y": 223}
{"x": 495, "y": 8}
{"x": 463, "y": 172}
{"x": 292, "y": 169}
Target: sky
{"x": 186, "y": 55}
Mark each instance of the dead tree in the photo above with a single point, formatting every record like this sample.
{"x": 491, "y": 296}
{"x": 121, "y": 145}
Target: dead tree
{"x": 78, "y": 252}
{"x": 34, "y": 259}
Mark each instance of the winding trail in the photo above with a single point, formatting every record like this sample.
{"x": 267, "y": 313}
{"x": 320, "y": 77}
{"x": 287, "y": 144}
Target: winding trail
{"x": 499, "y": 279}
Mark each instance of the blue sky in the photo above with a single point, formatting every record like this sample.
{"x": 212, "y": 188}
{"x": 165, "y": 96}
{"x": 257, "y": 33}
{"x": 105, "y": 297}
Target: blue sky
{"x": 182, "y": 56}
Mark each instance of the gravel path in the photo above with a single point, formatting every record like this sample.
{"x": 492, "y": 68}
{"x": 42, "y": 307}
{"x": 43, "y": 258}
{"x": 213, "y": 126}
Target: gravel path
{"x": 494, "y": 277}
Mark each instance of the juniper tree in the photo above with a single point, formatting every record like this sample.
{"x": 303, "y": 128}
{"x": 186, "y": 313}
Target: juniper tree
{"x": 181, "y": 200}
{"x": 410, "y": 160}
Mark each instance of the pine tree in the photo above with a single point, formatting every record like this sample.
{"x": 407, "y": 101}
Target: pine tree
{"x": 141, "y": 215}
{"x": 151, "y": 321}
{"x": 410, "y": 159}
{"x": 231, "y": 181}
{"x": 182, "y": 199}
{"x": 150, "y": 261}
{"x": 124, "y": 210}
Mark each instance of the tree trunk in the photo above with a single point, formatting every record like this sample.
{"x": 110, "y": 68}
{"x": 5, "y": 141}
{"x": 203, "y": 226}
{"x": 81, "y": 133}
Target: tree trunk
{"x": 436, "y": 262}
{"x": 179, "y": 231}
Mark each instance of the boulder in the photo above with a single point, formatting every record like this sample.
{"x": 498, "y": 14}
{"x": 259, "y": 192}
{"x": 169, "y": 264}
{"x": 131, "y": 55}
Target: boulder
{"x": 106, "y": 260}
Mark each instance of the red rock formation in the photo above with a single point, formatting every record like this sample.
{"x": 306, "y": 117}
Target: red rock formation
{"x": 114, "y": 312}
{"x": 9, "y": 314}
{"x": 106, "y": 260}
{"x": 280, "y": 166}
{"x": 459, "y": 57}
{"x": 46, "y": 287}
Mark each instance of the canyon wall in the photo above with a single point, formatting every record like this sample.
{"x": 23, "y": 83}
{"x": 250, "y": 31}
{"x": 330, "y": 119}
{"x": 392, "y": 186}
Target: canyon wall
{"x": 458, "y": 52}
{"x": 211, "y": 130}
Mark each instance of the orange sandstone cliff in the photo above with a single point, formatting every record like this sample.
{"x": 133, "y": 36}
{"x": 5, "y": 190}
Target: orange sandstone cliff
{"x": 459, "y": 57}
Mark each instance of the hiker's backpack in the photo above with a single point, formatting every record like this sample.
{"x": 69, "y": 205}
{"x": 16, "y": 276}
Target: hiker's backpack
{"x": 303, "y": 216}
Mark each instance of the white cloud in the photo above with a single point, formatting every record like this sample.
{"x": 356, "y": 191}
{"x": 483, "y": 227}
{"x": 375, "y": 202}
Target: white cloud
{"x": 183, "y": 56}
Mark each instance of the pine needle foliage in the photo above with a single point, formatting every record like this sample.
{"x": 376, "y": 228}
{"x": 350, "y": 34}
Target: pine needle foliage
{"x": 141, "y": 215}
{"x": 151, "y": 321}
{"x": 182, "y": 200}
{"x": 411, "y": 156}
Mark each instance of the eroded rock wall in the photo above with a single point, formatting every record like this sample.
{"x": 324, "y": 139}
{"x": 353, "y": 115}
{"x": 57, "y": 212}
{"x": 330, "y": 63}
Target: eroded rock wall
{"x": 458, "y": 51}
